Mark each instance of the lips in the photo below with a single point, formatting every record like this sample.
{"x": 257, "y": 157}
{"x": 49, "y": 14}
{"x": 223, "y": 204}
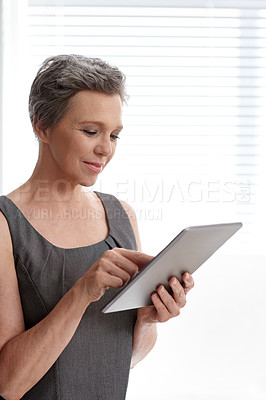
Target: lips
{"x": 94, "y": 166}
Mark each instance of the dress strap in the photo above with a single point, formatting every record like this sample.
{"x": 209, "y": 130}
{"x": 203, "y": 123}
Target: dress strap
{"x": 21, "y": 231}
{"x": 120, "y": 227}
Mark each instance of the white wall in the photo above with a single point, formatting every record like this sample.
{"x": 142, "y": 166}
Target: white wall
{"x": 1, "y": 93}
{"x": 216, "y": 348}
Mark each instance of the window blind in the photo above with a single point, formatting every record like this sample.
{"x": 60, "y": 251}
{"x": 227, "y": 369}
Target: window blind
{"x": 194, "y": 138}
{"x": 1, "y": 94}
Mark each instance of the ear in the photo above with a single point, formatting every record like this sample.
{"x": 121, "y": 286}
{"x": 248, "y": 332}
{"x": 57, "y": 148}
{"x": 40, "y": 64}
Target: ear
{"x": 43, "y": 134}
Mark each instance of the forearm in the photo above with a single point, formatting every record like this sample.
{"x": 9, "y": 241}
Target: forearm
{"x": 27, "y": 357}
{"x": 144, "y": 339}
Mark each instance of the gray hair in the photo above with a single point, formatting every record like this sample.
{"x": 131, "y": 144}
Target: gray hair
{"x": 61, "y": 77}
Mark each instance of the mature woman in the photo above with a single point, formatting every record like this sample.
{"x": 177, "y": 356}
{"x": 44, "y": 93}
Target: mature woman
{"x": 58, "y": 268}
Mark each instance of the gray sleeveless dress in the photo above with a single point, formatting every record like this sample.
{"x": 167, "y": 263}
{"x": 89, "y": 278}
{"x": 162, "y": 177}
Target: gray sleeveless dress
{"x": 95, "y": 364}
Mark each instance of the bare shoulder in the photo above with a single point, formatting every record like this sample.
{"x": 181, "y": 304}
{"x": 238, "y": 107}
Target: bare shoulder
{"x": 5, "y": 238}
{"x": 11, "y": 316}
{"x": 129, "y": 209}
{"x": 20, "y": 194}
{"x": 133, "y": 219}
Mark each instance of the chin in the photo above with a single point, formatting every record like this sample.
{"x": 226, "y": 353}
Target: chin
{"x": 88, "y": 182}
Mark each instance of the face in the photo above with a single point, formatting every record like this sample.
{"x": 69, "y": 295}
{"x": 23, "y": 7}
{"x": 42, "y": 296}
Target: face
{"x": 85, "y": 139}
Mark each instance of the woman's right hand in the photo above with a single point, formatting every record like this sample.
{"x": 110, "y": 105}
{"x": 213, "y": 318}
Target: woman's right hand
{"x": 112, "y": 270}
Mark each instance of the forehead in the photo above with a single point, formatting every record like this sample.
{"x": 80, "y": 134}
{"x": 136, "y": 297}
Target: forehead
{"x": 95, "y": 105}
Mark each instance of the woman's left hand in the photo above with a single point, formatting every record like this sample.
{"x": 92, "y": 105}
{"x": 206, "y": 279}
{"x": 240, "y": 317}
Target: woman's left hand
{"x": 165, "y": 305}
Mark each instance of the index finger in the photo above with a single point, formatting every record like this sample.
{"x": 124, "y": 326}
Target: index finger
{"x": 137, "y": 257}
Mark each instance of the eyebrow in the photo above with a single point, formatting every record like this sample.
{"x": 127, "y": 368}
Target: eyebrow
{"x": 100, "y": 123}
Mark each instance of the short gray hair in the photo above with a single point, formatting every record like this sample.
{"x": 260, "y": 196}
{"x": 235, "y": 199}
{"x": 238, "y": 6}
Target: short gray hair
{"x": 61, "y": 77}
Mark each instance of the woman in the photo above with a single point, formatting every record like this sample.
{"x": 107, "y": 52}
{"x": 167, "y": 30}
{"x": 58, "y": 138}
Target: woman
{"x": 58, "y": 268}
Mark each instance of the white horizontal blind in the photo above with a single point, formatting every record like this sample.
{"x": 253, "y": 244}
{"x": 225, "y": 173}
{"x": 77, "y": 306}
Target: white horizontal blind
{"x": 193, "y": 151}
{"x": 194, "y": 141}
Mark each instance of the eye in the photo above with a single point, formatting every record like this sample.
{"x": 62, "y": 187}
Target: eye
{"x": 89, "y": 132}
{"x": 114, "y": 137}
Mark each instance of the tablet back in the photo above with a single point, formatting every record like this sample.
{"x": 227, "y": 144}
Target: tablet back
{"x": 185, "y": 253}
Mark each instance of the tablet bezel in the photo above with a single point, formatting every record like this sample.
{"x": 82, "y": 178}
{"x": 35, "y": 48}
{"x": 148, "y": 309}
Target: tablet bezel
{"x": 223, "y": 233}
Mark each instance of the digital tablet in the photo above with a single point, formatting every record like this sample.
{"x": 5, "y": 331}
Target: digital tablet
{"x": 185, "y": 253}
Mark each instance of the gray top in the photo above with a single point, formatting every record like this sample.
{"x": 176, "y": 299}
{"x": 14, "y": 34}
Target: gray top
{"x": 95, "y": 364}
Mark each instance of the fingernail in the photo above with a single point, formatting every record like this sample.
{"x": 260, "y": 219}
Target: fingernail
{"x": 187, "y": 276}
{"x": 174, "y": 281}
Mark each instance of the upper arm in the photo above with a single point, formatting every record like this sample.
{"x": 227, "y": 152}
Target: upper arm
{"x": 11, "y": 315}
{"x": 132, "y": 217}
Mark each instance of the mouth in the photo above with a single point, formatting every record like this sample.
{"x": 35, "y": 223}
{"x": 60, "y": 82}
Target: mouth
{"x": 94, "y": 166}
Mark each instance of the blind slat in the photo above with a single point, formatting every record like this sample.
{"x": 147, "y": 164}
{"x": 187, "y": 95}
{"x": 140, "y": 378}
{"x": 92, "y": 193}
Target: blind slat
{"x": 196, "y": 77}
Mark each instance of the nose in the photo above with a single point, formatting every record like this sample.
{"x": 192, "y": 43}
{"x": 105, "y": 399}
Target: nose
{"x": 104, "y": 146}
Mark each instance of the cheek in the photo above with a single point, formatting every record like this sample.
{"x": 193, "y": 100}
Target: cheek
{"x": 66, "y": 153}
{"x": 74, "y": 149}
